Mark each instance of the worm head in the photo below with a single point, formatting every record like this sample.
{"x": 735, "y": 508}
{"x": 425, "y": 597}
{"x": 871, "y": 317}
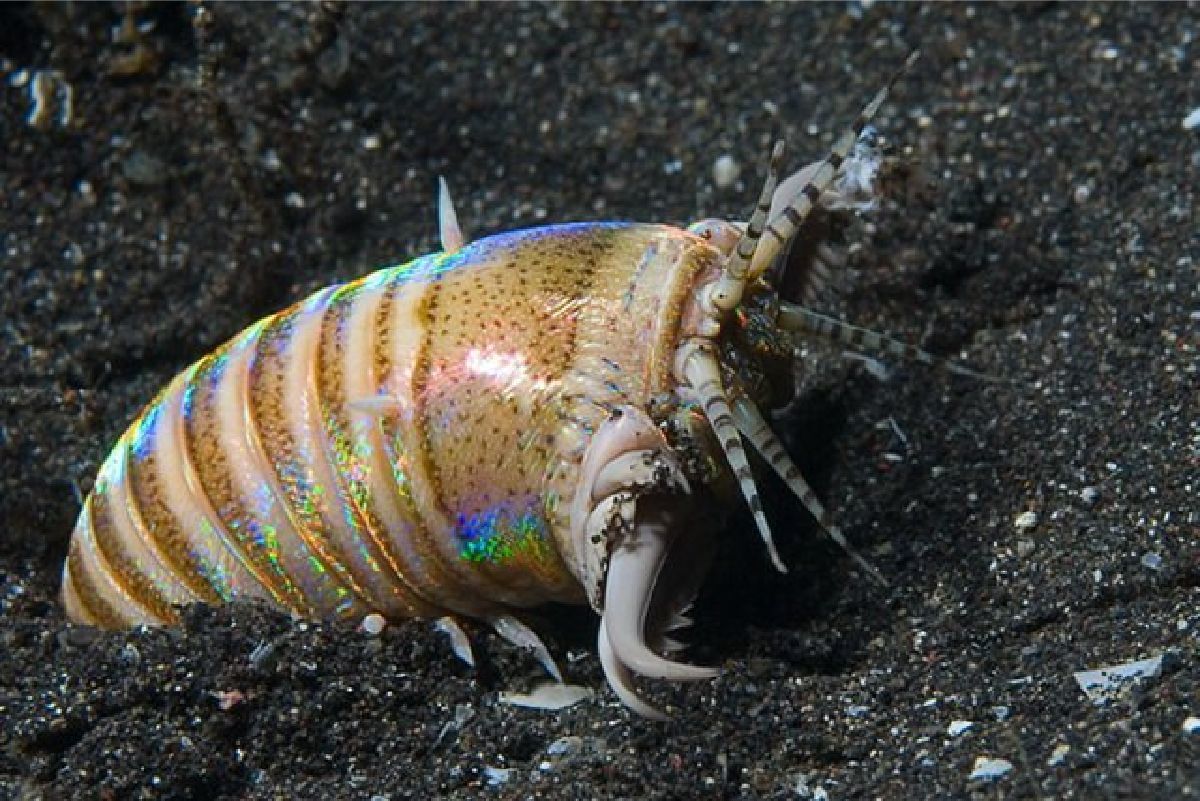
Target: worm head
{"x": 738, "y": 296}
{"x": 633, "y": 500}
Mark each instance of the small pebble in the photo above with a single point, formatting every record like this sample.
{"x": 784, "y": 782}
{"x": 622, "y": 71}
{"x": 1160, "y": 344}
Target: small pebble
{"x": 1089, "y": 496}
{"x": 1191, "y": 725}
{"x": 78, "y": 636}
{"x": 1058, "y": 755}
{"x": 228, "y": 699}
{"x": 1025, "y": 521}
{"x": 373, "y": 624}
{"x": 1082, "y": 194}
{"x": 142, "y": 169}
{"x": 1152, "y": 560}
{"x": 725, "y": 171}
{"x": 87, "y": 192}
{"x": 130, "y": 654}
{"x": 1192, "y": 121}
{"x": 333, "y": 63}
{"x": 73, "y": 254}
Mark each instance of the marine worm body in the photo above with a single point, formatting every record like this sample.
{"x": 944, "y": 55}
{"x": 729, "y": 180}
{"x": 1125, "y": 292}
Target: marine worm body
{"x": 408, "y": 443}
{"x": 542, "y": 415}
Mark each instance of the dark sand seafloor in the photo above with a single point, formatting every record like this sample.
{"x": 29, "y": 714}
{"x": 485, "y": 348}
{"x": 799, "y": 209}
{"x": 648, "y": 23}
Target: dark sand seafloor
{"x": 1028, "y": 530}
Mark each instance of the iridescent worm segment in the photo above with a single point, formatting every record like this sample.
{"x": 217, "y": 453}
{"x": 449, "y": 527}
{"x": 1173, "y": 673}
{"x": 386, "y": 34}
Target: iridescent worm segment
{"x": 542, "y": 415}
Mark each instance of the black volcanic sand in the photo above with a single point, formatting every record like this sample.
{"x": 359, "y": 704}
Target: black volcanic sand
{"x": 1052, "y": 241}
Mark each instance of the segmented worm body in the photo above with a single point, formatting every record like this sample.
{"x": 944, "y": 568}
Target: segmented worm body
{"x": 408, "y": 443}
{"x": 541, "y": 415}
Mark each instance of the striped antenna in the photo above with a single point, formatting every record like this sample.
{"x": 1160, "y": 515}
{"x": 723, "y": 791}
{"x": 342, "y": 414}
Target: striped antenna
{"x": 798, "y": 318}
{"x": 785, "y": 224}
{"x": 727, "y": 293}
{"x": 755, "y": 429}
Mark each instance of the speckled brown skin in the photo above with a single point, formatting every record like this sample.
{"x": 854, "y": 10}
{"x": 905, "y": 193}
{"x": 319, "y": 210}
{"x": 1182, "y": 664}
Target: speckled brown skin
{"x": 341, "y": 457}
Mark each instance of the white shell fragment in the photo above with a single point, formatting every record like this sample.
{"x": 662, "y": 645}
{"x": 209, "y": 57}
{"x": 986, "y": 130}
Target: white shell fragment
{"x": 498, "y": 776}
{"x": 550, "y": 695}
{"x": 1058, "y": 755}
{"x": 989, "y": 769}
{"x": 1192, "y": 121}
{"x": 1106, "y": 684}
{"x": 1025, "y": 521}
{"x": 564, "y": 746}
{"x": 958, "y": 727}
